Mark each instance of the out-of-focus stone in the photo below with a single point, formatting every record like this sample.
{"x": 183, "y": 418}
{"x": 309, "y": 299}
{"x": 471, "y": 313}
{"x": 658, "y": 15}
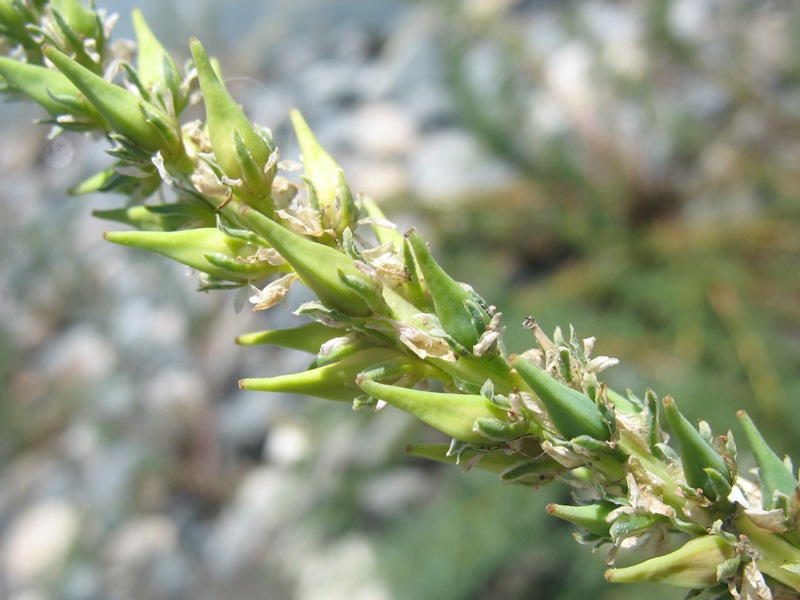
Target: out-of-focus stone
{"x": 449, "y": 165}
{"x": 82, "y": 353}
{"x": 39, "y": 540}
{"x": 142, "y": 540}
{"x": 390, "y": 493}
{"x": 384, "y": 129}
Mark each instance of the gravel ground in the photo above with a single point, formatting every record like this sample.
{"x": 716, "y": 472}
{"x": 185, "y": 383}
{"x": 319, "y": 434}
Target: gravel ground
{"x": 134, "y": 468}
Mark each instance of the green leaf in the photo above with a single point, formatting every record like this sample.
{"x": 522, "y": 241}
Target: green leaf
{"x": 452, "y": 414}
{"x": 335, "y": 200}
{"x": 457, "y": 309}
{"x": 772, "y": 472}
{"x": 47, "y": 88}
{"x": 121, "y": 109}
{"x": 227, "y": 123}
{"x": 308, "y": 337}
{"x": 156, "y": 69}
{"x": 573, "y": 413}
{"x": 336, "y": 381}
{"x": 697, "y": 454}
{"x": 160, "y": 217}
{"x": 591, "y": 517}
{"x": 320, "y": 267}
{"x": 693, "y": 566}
{"x": 206, "y": 249}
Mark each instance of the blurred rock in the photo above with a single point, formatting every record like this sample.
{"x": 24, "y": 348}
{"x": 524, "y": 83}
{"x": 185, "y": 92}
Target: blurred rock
{"x": 38, "y": 542}
{"x": 392, "y": 492}
{"x": 451, "y": 163}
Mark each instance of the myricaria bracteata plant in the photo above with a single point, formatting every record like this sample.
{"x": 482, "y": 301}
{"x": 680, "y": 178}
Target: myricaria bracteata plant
{"x": 389, "y": 325}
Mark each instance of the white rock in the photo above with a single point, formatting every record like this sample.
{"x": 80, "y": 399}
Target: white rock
{"x": 143, "y": 539}
{"x": 39, "y": 541}
{"x": 80, "y": 354}
{"x": 288, "y": 443}
{"x": 567, "y": 74}
{"x": 178, "y": 394}
{"x": 382, "y": 179}
{"x": 392, "y": 492}
{"x": 265, "y": 502}
{"x": 451, "y": 164}
{"x": 384, "y": 129}
{"x": 343, "y": 571}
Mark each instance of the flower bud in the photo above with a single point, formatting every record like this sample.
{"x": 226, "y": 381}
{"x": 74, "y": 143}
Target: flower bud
{"x": 693, "y": 566}
{"x": 697, "y": 454}
{"x": 573, "y": 413}
{"x": 336, "y": 381}
{"x": 206, "y": 249}
{"x": 453, "y": 414}
{"x": 142, "y": 123}
{"x": 773, "y": 475}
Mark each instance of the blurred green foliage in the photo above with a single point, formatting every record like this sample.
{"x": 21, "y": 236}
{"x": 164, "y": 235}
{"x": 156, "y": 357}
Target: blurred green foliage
{"x": 662, "y": 223}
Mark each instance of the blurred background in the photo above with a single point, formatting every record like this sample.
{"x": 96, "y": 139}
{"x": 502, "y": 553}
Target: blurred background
{"x": 630, "y": 168}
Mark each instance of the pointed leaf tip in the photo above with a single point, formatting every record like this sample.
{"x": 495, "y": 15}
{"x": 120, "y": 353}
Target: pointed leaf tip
{"x": 697, "y": 454}
{"x": 772, "y": 472}
{"x": 127, "y": 114}
{"x": 226, "y": 121}
{"x": 574, "y": 414}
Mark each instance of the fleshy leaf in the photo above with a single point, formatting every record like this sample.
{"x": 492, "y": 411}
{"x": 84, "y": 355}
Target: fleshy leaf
{"x": 592, "y": 517}
{"x": 452, "y": 414}
{"x": 572, "y": 412}
{"x": 227, "y": 121}
{"x": 193, "y": 247}
{"x": 121, "y": 109}
{"x": 697, "y": 455}
{"x": 693, "y": 566}
{"x": 336, "y": 381}
{"x": 308, "y": 337}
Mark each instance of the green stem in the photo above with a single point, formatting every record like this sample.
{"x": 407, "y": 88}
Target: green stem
{"x": 670, "y": 493}
{"x": 775, "y": 553}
